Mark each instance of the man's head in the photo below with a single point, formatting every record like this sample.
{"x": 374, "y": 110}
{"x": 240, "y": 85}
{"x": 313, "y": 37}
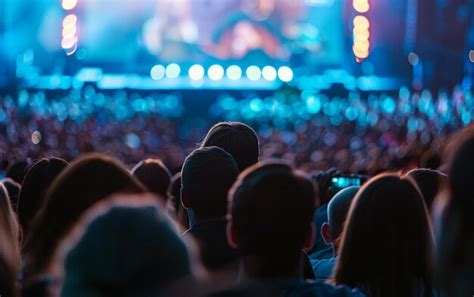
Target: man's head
{"x": 338, "y": 208}
{"x": 206, "y": 177}
{"x": 154, "y": 175}
{"x": 237, "y": 139}
{"x": 272, "y": 207}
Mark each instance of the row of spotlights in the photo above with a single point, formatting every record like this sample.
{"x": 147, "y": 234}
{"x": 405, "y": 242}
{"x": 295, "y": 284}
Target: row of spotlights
{"x": 217, "y": 72}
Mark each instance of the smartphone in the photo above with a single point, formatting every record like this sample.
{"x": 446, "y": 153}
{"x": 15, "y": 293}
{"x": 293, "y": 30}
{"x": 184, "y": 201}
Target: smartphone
{"x": 343, "y": 181}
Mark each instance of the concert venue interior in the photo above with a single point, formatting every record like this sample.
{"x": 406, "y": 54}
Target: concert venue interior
{"x": 342, "y": 90}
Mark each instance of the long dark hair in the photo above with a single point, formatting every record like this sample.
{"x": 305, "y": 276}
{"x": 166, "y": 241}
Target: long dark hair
{"x": 454, "y": 209}
{"x": 387, "y": 241}
{"x": 9, "y": 248}
{"x": 87, "y": 180}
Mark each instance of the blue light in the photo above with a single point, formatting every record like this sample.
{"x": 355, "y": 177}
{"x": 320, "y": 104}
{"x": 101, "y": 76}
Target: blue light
{"x": 269, "y": 73}
{"x": 253, "y": 73}
{"x": 256, "y": 105}
{"x": 215, "y": 72}
{"x": 285, "y": 74}
{"x": 389, "y": 105}
{"x": 351, "y": 113}
{"x": 313, "y": 104}
{"x": 172, "y": 70}
{"x": 196, "y": 72}
{"x": 234, "y": 72}
{"x": 157, "y": 72}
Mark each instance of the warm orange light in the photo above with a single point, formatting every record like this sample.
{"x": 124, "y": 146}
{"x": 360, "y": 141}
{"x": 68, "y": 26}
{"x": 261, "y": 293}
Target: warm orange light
{"x": 69, "y": 31}
{"x": 69, "y": 4}
{"x": 360, "y": 54}
{"x": 70, "y": 20}
{"x": 362, "y": 22}
{"x": 361, "y": 6}
{"x": 362, "y": 46}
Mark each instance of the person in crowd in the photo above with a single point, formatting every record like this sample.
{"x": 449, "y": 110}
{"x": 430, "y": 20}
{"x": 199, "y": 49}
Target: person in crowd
{"x": 87, "y": 180}
{"x": 387, "y": 246}
{"x": 175, "y": 206}
{"x": 125, "y": 246}
{"x": 454, "y": 221}
{"x": 13, "y": 189}
{"x": 206, "y": 176}
{"x": 18, "y": 169}
{"x": 238, "y": 139}
{"x": 271, "y": 213}
{"x": 429, "y": 182}
{"x": 9, "y": 247}
{"x": 331, "y": 231}
{"x": 154, "y": 175}
{"x": 33, "y": 190}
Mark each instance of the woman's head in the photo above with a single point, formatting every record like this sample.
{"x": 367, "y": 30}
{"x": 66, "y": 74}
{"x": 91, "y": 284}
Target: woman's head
{"x": 154, "y": 175}
{"x": 33, "y": 190}
{"x": 453, "y": 218}
{"x": 9, "y": 251}
{"x": 386, "y": 244}
{"x": 123, "y": 246}
{"x": 87, "y": 180}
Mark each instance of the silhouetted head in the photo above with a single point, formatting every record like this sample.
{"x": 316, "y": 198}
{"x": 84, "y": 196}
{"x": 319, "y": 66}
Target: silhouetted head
{"x": 37, "y": 181}
{"x": 387, "y": 243}
{"x": 429, "y": 182}
{"x": 17, "y": 169}
{"x": 271, "y": 210}
{"x": 87, "y": 180}
{"x": 154, "y": 175}
{"x": 338, "y": 208}
{"x": 123, "y": 246}
{"x": 206, "y": 177}
{"x": 9, "y": 248}
{"x": 237, "y": 139}
{"x": 453, "y": 217}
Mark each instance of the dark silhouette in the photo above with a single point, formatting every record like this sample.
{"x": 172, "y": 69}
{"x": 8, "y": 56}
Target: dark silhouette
{"x": 13, "y": 189}
{"x": 387, "y": 243}
{"x": 33, "y": 190}
{"x": 87, "y": 180}
{"x": 237, "y": 139}
{"x": 154, "y": 175}
{"x": 18, "y": 169}
{"x": 207, "y": 175}
{"x": 429, "y": 182}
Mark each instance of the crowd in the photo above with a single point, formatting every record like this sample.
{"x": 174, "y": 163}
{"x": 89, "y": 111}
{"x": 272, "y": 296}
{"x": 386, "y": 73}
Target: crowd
{"x": 367, "y": 133}
{"x": 233, "y": 224}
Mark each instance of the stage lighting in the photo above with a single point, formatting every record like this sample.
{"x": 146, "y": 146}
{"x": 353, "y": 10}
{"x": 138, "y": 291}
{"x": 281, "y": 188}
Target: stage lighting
{"x": 269, "y": 73}
{"x": 68, "y": 43}
{"x": 215, "y": 72}
{"x": 234, "y": 72}
{"x": 285, "y": 73}
{"x": 471, "y": 56}
{"x": 413, "y": 59}
{"x": 172, "y": 70}
{"x": 361, "y": 22}
{"x": 69, "y": 20}
{"x": 157, "y": 72}
{"x": 69, "y": 4}
{"x": 361, "y": 6}
{"x": 196, "y": 72}
{"x": 253, "y": 73}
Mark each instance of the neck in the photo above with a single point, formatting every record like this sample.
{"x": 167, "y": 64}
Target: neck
{"x": 196, "y": 220}
{"x": 270, "y": 268}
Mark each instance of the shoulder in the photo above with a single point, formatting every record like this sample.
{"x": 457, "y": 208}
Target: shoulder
{"x": 317, "y": 289}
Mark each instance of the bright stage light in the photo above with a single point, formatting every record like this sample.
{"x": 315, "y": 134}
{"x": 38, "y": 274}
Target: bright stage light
{"x": 413, "y": 59}
{"x": 269, "y": 73}
{"x": 285, "y": 73}
{"x": 69, "y": 4}
{"x": 68, "y": 43}
{"x": 471, "y": 56}
{"x": 361, "y": 22}
{"x": 172, "y": 70}
{"x": 69, "y": 31}
{"x": 361, "y": 6}
{"x": 196, "y": 72}
{"x": 157, "y": 72}
{"x": 234, "y": 72}
{"x": 253, "y": 73}
{"x": 70, "y": 20}
{"x": 215, "y": 72}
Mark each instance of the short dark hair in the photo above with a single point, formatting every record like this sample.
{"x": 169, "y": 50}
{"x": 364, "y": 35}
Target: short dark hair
{"x": 206, "y": 177}
{"x": 17, "y": 169}
{"x": 154, "y": 175}
{"x": 272, "y": 205}
{"x": 33, "y": 190}
{"x": 238, "y": 139}
{"x": 338, "y": 208}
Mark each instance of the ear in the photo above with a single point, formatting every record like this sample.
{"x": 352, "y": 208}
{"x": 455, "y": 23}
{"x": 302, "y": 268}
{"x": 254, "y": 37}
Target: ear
{"x": 185, "y": 200}
{"x": 231, "y": 237}
{"x": 326, "y": 233}
{"x": 311, "y": 237}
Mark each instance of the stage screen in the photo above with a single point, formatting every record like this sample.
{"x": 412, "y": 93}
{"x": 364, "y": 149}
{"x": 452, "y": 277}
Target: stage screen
{"x": 126, "y": 35}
